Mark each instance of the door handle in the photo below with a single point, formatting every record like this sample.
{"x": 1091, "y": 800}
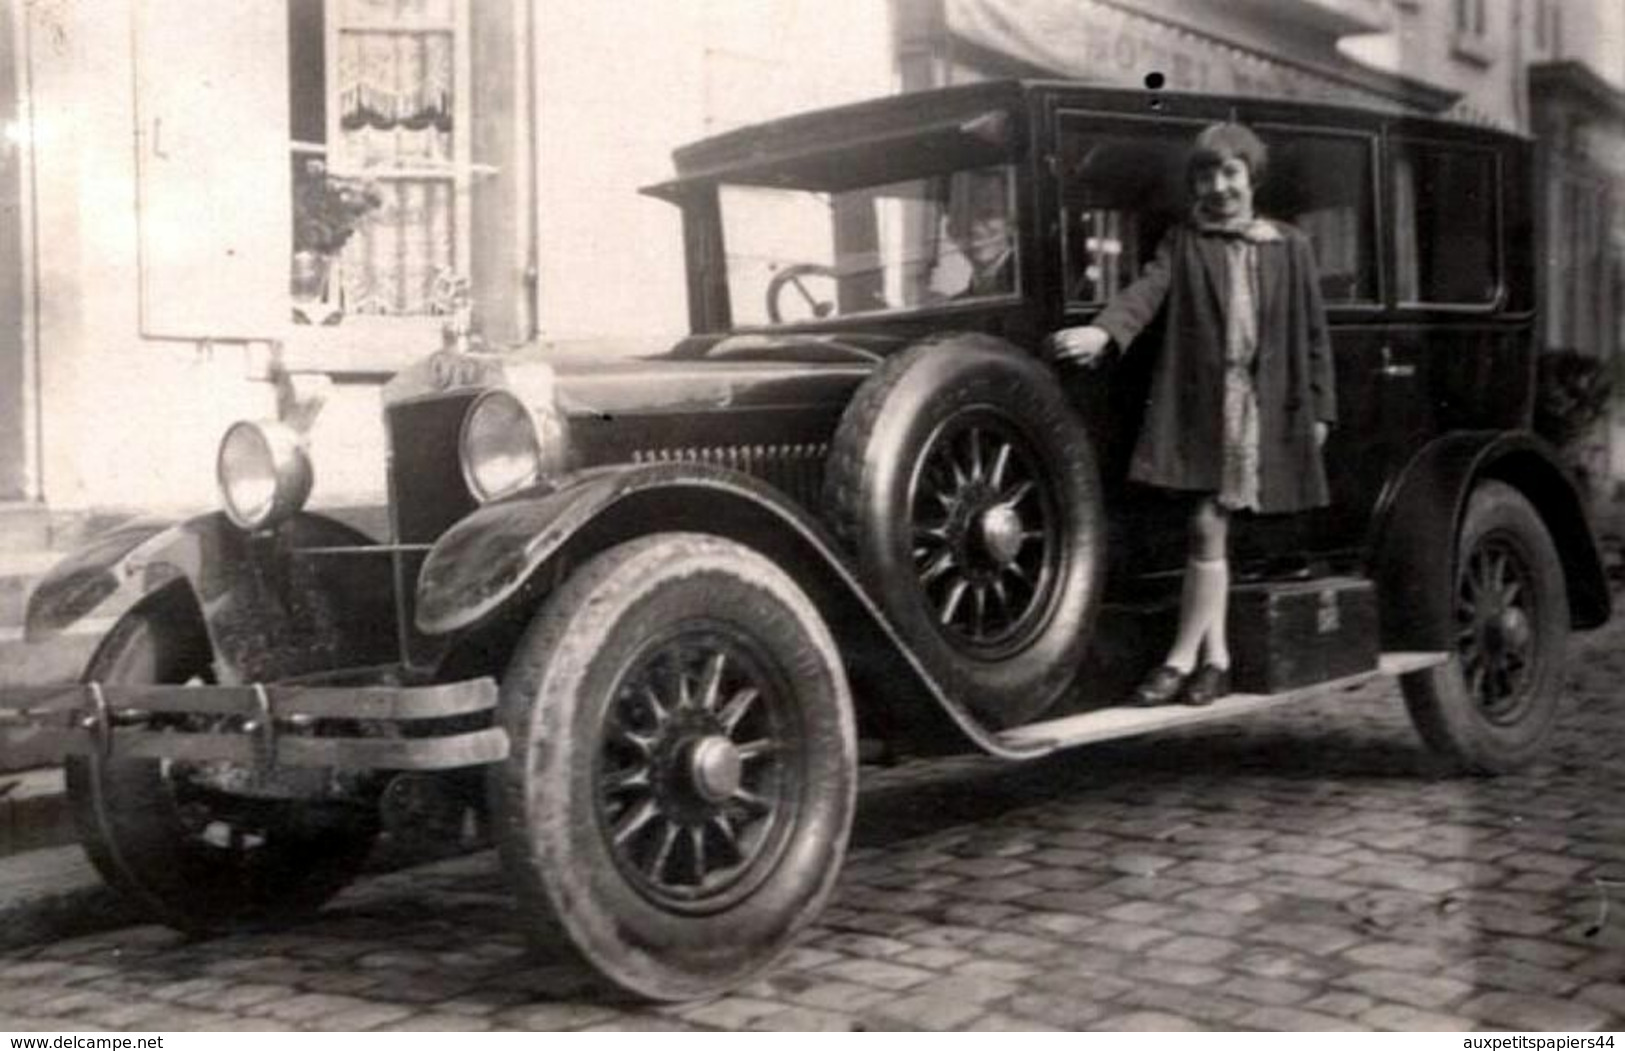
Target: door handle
{"x": 1389, "y": 370}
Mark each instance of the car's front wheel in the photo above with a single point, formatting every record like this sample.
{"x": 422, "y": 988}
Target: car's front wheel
{"x": 193, "y": 855}
{"x": 1493, "y": 706}
{"x": 683, "y": 768}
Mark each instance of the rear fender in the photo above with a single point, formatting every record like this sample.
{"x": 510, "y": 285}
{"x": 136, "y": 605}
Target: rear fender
{"x": 271, "y": 607}
{"x": 497, "y": 565}
{"x": 1414, "y": 534}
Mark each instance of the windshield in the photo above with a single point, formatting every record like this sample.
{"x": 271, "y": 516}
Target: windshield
{"x": 795, "y": 255}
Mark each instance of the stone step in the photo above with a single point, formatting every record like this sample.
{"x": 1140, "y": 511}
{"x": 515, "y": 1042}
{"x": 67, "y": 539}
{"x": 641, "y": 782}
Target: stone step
{"x": 33, "y": 811}
{"x": 19, "y": 572}
{"x": 24, "y": 527}
{"x": 58, "y": 659}
{"x": 30, "y": 527}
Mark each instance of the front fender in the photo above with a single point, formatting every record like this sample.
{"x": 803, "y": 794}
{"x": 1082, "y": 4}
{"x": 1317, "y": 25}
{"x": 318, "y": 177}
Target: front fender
{"x": 271, "y": 607}
{"x": 1413, "y": 540}
{"x": 491, "y": 565}
{"x": 97, "y": 578}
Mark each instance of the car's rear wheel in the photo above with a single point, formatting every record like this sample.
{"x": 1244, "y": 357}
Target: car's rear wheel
{"x": 968, "y": 489}
{"x": 683, "y": 770}
{"x": 1494, "y": 705}
{"x": 192, "y": 855}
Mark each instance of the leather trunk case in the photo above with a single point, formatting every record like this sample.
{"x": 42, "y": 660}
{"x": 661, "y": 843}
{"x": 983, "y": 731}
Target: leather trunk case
{"x": 1287, "y": 634}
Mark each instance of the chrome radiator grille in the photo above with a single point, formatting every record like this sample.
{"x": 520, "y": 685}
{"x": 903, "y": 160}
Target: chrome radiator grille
{"x": 796, "y": 468}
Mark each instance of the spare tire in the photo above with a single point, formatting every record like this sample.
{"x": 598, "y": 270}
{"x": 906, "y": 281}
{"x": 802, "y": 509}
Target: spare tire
{"x": 967, "y": 488}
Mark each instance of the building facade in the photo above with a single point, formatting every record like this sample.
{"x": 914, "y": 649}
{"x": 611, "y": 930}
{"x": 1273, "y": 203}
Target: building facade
{"x": 177, "y": 178}
{"x": 181, "y": 180}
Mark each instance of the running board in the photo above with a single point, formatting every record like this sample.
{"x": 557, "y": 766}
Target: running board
{"x": 1107, "y": 724}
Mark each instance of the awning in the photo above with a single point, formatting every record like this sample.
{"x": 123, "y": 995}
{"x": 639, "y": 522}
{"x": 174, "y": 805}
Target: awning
{"x": 1110, "y": 43}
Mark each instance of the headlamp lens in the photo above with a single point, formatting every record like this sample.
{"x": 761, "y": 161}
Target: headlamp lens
{"x": 501, "y": 450}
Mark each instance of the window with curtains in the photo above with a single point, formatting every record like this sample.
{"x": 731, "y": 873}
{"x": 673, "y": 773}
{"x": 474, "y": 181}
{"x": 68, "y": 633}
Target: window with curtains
{"x": 385, "y": 116}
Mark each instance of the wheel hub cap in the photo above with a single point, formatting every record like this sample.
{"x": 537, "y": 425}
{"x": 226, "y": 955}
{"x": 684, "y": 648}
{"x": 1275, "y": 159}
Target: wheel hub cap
{"x": 1001, "y": 533}
{"x": 1510, "y": 630}
{"x": 714, "y": 767}
{"x": 985, "y": 535}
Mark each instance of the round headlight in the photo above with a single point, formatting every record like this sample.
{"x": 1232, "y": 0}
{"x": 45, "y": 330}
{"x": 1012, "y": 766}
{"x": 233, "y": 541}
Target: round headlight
{"x": 264, "y": 473}
{"x": 500, "y": 447}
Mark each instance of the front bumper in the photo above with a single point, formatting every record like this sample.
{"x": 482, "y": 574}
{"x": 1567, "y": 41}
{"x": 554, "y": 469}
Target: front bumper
{"x": 440, "y": 726}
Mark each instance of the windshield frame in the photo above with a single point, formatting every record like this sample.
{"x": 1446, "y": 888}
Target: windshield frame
{"x": 938, "y": 150}
{"x": 929, "y": 241}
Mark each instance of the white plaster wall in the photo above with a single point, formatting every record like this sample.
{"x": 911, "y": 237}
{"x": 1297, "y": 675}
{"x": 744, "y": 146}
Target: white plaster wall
{"x": 133, "y": 422}
{"x": 620, "y": 85}
{"x": 1420, "y": 46}
{"x": 126, "y": 421}
{"x": 1594, "y": 33}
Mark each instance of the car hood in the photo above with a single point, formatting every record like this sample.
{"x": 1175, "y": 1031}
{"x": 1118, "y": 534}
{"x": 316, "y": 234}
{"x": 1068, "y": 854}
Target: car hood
{"x": 608, "y": 377}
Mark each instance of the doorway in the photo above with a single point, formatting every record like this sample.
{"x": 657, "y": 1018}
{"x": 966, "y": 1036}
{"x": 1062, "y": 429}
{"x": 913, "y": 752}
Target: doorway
{"x": 16, "y": 369}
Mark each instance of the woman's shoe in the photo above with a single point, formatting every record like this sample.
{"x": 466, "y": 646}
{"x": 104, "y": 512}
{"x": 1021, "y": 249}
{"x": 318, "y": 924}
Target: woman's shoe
{"x": 1160, "y": 687}
{"x": 1206, "y": 685}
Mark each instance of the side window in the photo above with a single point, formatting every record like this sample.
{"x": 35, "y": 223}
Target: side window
{"x": 796, "y": 255}
{"x": 1121, "y": 188}
{"x": 1445, "y": 224}
{"x": 1322, "y": 184}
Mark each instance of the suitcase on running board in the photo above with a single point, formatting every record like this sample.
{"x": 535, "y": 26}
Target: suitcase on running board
{"x": 1287, "y": 634}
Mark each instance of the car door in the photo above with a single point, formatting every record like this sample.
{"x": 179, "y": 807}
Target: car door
{"x": 1120, "y": 183}
{"x": 1325, "y": 182}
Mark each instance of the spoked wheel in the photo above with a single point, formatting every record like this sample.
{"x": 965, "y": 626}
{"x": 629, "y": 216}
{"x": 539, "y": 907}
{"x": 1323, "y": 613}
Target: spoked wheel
{"x": 1496, "y": 635}
{"x": 987, "y": 543}
{"x": 698, "y": 781}
{"x": 967, "y": 488}
{"x": 1493, "y": 707}
{"x": 193, "y": 855}
{"x": 676, "y": 804}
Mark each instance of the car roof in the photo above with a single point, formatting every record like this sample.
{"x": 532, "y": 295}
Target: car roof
{"x": 873, "y": 123}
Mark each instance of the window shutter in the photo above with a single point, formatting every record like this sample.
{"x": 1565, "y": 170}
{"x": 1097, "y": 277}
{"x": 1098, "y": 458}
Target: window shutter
{"x": 213, "y": 199}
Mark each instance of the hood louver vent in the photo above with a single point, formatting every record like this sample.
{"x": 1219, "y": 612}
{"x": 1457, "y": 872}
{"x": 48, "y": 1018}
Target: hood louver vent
{"x": 798, "y": 468}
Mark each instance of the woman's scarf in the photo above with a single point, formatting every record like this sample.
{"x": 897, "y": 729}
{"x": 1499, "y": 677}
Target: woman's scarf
{"x": 1239, "y": 487}
{"x": 1248, "y": 228}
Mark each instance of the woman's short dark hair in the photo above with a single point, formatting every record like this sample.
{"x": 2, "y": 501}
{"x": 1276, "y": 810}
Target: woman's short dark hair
{"x": 1216, "y": 143}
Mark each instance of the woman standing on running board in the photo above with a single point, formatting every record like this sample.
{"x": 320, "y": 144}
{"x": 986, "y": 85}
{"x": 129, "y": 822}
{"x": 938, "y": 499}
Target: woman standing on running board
{"x": 1242, "y": 392}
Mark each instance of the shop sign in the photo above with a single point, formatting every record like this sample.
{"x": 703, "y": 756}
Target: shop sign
{"x": 1095, "y": 42}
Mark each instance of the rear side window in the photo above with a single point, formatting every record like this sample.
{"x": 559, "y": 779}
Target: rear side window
{"x": 1322, "y": 183}
{"x": 1446, "y": 224}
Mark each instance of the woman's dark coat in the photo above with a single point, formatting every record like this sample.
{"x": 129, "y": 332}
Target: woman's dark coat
{"x": 1181, "y": 440}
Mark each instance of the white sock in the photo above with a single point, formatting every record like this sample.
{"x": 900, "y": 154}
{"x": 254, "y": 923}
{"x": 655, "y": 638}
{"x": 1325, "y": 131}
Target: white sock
{"x": 1216, "y": 641}
{"x": 1203, "y": 598}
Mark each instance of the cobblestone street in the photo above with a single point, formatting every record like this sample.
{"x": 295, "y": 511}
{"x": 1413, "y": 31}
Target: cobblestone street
{"x": 1308, "y": 869}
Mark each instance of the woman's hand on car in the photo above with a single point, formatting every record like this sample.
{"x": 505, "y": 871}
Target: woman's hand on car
{"x": 1085, "y": 344}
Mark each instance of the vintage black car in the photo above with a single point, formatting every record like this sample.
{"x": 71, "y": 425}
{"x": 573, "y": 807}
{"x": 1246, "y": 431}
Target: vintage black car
{"x": 653, "y": 604}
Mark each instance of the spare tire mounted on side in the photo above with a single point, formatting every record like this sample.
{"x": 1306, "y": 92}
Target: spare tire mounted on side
{"x": 967, "y": 488}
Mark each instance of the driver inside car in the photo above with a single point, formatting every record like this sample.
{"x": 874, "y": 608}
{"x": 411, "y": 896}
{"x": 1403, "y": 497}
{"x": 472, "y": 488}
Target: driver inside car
{"x": 979, "y": 224}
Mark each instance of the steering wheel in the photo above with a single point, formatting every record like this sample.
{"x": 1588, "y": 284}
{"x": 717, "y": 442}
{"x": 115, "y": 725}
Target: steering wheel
{"x": 794, "y": 276}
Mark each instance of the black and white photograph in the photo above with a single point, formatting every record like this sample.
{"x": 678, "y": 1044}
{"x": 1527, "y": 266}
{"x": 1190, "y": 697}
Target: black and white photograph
{"x": 776, "y": 515}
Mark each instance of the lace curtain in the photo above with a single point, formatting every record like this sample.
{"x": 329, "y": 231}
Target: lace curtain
{"x": 396, "y": 81}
